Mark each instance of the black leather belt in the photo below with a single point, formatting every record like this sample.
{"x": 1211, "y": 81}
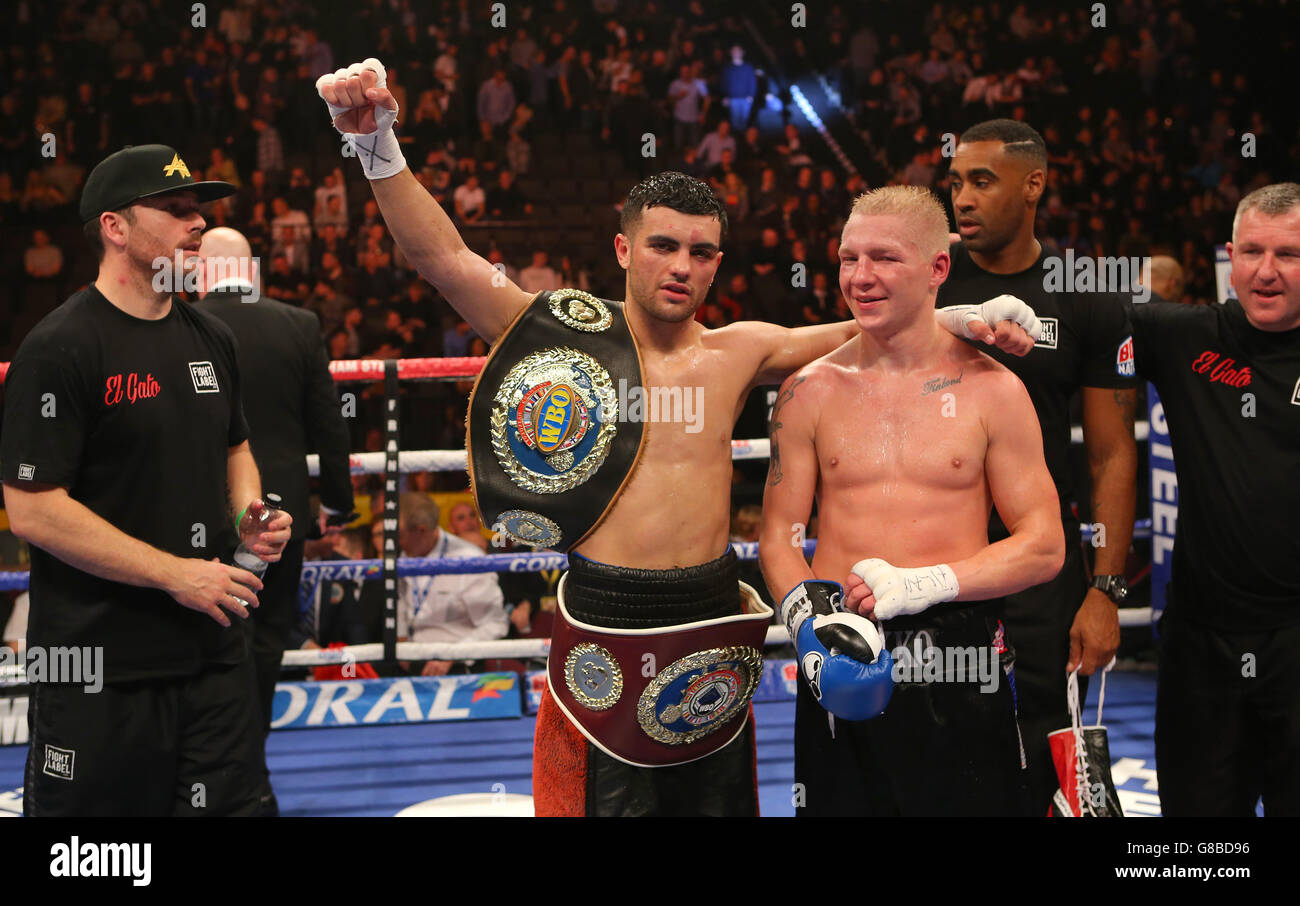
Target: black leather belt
{"x": 548, "y": 455}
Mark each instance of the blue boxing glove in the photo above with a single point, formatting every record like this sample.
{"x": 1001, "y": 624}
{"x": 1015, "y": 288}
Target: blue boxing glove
{"x": 841, "y": 655}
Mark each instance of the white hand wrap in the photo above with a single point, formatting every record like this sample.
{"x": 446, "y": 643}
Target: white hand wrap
{"x": 957, "y": 318}
{"x": 901, "y": 591}
{"x": 379, "y": 152}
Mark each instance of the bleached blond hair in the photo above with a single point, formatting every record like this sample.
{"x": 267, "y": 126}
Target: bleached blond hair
{"x": 927, "y": 221}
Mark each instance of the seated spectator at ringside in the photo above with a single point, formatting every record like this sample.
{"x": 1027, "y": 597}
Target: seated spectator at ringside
{"x": 451, "y": 607}
{"x": 348, "y": 611}
{"x": 539, "y": 275}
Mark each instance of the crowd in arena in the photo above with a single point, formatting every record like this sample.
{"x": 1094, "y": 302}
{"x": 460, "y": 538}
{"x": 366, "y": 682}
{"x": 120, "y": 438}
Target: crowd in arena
{"x": 529, "y": 132}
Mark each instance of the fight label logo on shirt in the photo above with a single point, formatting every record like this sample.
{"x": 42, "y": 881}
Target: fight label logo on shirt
{"x": 1295, "y": 401}
{"x": 58, "y": 762}
{"x": 1124, "y": 365}
{"x": 1047, "y": 336}
{"x": 28, "y": 473}
{"x": 205, "y": 377}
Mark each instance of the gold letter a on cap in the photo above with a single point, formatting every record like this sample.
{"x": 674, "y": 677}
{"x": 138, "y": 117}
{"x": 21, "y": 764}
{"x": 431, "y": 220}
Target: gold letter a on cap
{"x": 176, "y": 166}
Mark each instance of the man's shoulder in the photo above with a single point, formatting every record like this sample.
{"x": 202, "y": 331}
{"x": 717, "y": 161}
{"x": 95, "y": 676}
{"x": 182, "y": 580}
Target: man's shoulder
{"x": 68, "y": 327}
{"x": 986, "y": 374}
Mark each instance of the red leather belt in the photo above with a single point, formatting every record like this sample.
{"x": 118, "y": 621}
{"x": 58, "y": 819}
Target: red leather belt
{"x": 658, "y": 697}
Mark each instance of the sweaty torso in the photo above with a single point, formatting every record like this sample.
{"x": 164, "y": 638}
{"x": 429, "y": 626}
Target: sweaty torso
{"x": 675, "y": 509}
{"x": 900, "y": 459}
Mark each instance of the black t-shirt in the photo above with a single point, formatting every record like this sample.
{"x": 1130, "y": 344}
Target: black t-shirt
{"x": 1236, "y": 558}
{"x": 135, "y": 418}
{"x": 1087, "y": 343}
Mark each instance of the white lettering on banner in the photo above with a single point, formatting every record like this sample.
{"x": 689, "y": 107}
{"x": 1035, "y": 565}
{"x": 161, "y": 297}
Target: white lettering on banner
{"x": 537, "y": 563}
{"x": 401, "y": 694}
{"x": 441, "y": 708}
{"x": 13, "y": 721}
{"x": 1164, "y": 518}
{"x": 1164, "y": 485}
{"x": 11, "y": 803}
{"x": 297, "y": 705}
{"x": 1164, "y": 495}
{"x": 325, "y": 701}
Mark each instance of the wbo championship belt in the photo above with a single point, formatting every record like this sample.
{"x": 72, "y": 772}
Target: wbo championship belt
{"x": 548, "y": 455}
{"x": 695, "y": 700}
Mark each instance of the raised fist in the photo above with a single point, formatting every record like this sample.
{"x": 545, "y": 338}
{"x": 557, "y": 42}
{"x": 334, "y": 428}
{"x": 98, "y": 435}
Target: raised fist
{"x": 358, "y": 97}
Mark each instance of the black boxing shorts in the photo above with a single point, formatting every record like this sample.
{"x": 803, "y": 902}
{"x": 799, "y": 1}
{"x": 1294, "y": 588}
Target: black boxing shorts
{"x": 948, "y": 743}
{"x": 573, "y": 777}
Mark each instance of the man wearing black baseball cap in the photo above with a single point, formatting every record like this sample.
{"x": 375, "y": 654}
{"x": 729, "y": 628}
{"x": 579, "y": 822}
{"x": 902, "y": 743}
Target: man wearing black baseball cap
{"x": 124, "y": 455}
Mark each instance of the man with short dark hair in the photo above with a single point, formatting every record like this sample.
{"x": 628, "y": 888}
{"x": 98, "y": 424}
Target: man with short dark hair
{"x": 998, "y": 175}
{"x": 125, "y": 456}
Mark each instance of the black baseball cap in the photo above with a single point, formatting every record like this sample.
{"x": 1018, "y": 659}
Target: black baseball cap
{"x": 142, "y": 171}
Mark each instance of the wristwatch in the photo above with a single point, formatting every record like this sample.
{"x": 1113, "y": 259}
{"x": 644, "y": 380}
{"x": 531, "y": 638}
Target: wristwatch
{"x": 1115, "y": 587}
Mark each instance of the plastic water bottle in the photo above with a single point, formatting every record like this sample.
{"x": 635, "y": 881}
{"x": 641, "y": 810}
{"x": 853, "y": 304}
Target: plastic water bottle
{"x": 244, "y": 557}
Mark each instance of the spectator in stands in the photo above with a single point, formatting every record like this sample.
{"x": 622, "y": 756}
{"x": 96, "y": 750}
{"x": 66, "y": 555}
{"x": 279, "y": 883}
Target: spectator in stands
{"x": 289, "y": 245}
{"x": 353, "y": 324}
{"x": 270, "y": 150}
{"x": 40, "y": 197}
{"x": 572, "y": 274}
{"x": 446, "y": 68}
{"x": 281, "y": 282}
{"x": 691, "y": 164}
{"x": 539, "y": 275}
{"x": 717, "y": 141}
{"x": 42, "y": 261}
{"x": 735, "y": 196}
{"x": 817, "y": 303}
{"x": 466, "y": 525}
{"x": 347, "y": 611}
{"x": 505, "y": 201}
{"x": 65, "y": 175}
{"x": 739, "y": 86}
{"x": 717, "y": 176}
{"x": 455, "y": 337}
{"x": 791, "y": 150}
{"x": 333, "y": 215}
{"x": 223, "y": 168}
{"x": 736, "y": 301}
{"x": 470, "y": 201}
{"x": 285, "y": 216}
{"x": 449, "y": 607}
{"x": 496, "y": 102}
{"x": 689, "y": 97}
{"x": 497, "y": 260}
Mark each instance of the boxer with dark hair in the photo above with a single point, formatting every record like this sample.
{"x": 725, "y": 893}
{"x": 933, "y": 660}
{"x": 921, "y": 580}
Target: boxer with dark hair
{"x": 657, "y": 646}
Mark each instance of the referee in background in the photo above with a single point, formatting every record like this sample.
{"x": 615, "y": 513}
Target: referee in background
{"x": 292, "y": 409}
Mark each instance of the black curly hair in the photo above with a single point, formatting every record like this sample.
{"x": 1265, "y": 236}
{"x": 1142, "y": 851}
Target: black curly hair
{"x": 671, "y": 189}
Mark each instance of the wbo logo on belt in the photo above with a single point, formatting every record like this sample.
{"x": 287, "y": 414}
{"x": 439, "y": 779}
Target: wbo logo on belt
{"x": 544, "y": 420}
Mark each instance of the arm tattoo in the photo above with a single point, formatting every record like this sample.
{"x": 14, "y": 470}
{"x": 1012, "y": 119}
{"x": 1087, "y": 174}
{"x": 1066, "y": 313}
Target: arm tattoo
{"x": 774, "y": 471}
{"x": 1127, "y": 402}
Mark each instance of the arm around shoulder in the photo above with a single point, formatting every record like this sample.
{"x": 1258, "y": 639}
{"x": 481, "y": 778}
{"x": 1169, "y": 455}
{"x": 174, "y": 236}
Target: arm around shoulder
{"x": 791, "y": 487}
